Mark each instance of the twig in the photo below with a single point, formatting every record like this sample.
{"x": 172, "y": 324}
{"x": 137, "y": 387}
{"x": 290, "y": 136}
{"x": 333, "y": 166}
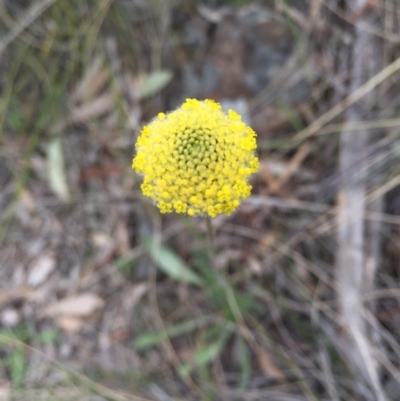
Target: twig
{"x": 352, "y": 277}
{"x": 314, "y": 207}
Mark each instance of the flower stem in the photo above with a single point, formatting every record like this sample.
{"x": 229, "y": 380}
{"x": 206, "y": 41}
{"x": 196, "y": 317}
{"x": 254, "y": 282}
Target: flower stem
{"x": 210, "y": 235}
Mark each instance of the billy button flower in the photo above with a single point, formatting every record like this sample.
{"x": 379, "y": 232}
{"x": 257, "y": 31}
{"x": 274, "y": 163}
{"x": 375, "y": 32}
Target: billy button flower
{"x": 196, "y": 159}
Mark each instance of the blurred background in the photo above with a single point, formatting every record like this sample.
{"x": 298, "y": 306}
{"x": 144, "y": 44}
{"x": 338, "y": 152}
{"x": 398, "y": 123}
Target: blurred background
{"x": 102, "y": 298}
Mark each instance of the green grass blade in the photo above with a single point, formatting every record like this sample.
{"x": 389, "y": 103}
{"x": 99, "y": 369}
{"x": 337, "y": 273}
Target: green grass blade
{"x": 17, "y": 363}
{"x": 171, "y": 264}
{"x": 154, "y": 83}
{"x": 205, "y": 355}
{"x": 148, "y": 340}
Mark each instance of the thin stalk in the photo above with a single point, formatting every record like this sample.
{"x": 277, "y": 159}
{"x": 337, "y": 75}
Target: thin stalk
{"x": 210, "y": 236}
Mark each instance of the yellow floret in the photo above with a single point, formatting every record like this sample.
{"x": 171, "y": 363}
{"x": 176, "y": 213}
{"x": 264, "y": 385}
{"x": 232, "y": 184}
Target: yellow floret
{"x": 196, "y": 159}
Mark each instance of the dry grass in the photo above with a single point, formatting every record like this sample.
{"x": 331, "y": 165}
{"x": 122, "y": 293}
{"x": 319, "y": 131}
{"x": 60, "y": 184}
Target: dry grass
{"x": 90, "y": 306}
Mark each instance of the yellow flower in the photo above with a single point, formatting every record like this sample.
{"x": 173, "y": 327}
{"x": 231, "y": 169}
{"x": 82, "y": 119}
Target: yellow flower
{"x": 196, "y": 159}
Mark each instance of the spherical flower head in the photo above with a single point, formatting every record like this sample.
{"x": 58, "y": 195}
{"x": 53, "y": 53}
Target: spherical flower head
{"x": 196, "y": 159}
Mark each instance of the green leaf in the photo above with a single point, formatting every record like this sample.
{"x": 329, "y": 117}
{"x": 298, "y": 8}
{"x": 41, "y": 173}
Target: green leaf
{"x": 18, "y": 367}
{"x": 7, "y": 338}
{"x": 47, "y": 336}
{"x": 148, "y": 340}
{"x": 205, "y": 355}
{"x": 124, "y": 264}
{"x": 396, "y": 149}
{"x": 56, "y": 169}
{"x": 171, "y": 264}
{"x": 14, "y": 115}
{"x": 154, "y": 82}
{"x": 20, "y": 334}
{"x": 245, "y": 363}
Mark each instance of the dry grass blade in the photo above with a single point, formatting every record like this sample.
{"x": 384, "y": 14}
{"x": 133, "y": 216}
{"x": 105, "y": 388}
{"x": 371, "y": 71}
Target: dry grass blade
{"x": 293, "y": 165}
{"x": 31, "y": 15}
{"x": 94, "y": 108}
{"x": 315, "y": 207}
{"x": 360, "y": 125}
{"x": 356, "y": 95}
{"x": 94, "y": 79}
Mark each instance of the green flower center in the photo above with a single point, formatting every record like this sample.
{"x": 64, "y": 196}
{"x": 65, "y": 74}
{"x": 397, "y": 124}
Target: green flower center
{"x": 195, "y": 147}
